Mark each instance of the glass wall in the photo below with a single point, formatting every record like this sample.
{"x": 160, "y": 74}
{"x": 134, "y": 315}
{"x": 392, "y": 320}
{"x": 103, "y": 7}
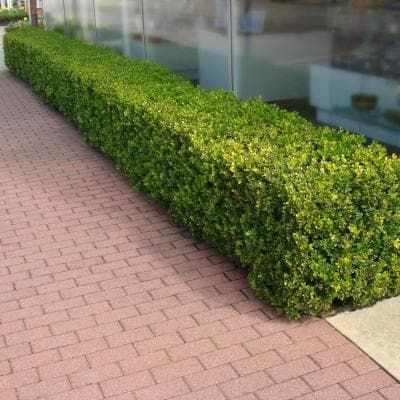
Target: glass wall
{"x": 80, "y": 19}
{"x": 119, "y": 25}
{"x": 54, "y": 14}
{"x": 336, "y": 62}
{"x": 191, "y": 37}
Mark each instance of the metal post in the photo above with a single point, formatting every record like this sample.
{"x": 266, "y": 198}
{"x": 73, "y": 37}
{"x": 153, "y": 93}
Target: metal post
{"x": 126, "y": 15}
{"x": 94, "y": 21}
{"x": 65, "y": 18}
{"x": 143, "y": 30}
{"x": 230, "y": 38}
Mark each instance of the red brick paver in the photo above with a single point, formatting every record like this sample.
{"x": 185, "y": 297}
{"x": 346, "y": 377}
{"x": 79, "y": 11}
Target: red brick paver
{"x": 102, "y": 297}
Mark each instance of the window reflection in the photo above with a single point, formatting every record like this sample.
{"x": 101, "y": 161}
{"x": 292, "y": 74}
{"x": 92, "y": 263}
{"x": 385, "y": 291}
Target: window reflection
{"x": 119, "y": 25}
{"x": 54, "y": 14}
{"x": 79, "y": 19}
{"x": 336, "y": 62}
{"x": 191, "y": 38}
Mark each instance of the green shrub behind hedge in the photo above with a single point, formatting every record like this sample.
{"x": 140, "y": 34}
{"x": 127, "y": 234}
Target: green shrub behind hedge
{"x": 311, "y": 212}
{"x": 12, "y": 14}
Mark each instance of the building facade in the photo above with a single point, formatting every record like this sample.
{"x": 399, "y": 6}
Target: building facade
{"x": 336, "y": 62}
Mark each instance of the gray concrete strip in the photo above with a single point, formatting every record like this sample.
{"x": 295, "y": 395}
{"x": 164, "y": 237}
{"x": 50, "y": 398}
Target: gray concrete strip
{"x": 2, "y": 65}
{"x": 376, "y": 330}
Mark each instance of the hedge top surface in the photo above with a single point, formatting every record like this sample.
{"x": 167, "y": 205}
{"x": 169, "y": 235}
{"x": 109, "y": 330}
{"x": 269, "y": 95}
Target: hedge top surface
{"x": 311, "y": 211}
{"x": 216, "y": 114}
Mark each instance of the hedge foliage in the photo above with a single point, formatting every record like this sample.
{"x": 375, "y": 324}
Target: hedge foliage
{"x": 312, "y": 212}
{"x": 12, "y": 14}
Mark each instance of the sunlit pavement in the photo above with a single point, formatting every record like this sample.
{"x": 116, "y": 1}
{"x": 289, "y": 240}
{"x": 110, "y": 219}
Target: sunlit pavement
{"x": 376, "y": 330}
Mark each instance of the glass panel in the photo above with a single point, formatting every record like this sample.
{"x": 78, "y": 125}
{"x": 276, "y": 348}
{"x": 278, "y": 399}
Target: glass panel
{"x": 79, "y": 15}
{"x": 336, "y": 62}
{"x": 190, "y": 37}
{"x": 119, "y": 26}
{"x": 54, "y": 15}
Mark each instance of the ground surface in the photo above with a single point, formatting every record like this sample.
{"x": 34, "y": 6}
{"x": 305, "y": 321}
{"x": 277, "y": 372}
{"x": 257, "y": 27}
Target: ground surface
{"x": 101, "y": 297}
{"x": 376, "y": 330}
{"x": 2, "y": 66}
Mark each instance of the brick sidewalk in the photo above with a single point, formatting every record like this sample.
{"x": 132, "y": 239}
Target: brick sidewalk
{"x": 101, "y": 297}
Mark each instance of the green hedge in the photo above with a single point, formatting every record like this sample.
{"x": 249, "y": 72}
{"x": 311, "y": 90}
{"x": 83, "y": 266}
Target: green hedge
{"x": 310, "y": 211}
{"x": 12, "y": 14}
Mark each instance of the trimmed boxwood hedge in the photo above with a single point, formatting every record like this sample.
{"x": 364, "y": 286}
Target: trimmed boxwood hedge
{"x": 312, "y": 212}
{"x": 12, "y": 14}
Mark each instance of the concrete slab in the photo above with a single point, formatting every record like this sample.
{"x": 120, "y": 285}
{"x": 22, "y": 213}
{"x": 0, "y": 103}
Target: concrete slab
{"x": 2, "y": 65}
{"x": 376, "y": 330}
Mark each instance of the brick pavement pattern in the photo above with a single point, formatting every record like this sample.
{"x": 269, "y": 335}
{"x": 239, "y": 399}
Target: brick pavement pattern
{"x": 102, "y": 297}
